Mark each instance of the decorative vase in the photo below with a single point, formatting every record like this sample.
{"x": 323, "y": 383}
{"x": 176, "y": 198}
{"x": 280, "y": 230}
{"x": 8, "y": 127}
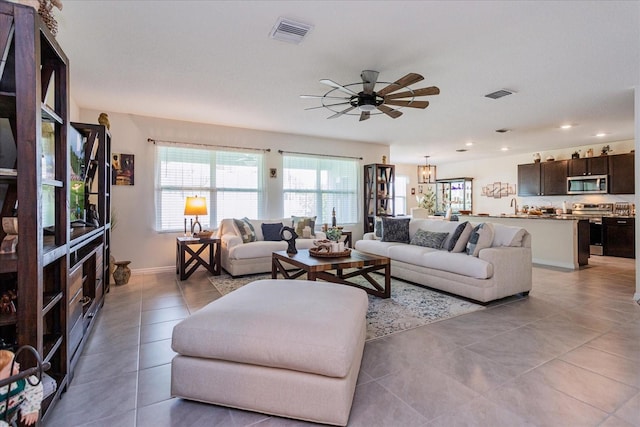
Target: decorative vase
{"x": 122, "y": 273}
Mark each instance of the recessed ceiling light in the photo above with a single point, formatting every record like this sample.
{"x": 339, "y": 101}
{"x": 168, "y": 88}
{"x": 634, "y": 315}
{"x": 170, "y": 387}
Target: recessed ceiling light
{"x": 469, "y": 144}
{"x": 601, "y": 134}
{"x": 566, "y": 126}
{"x": 504, "y": 149}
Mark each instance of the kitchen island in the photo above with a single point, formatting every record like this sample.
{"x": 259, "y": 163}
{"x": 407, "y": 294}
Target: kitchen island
{"x": 557, "y": 241}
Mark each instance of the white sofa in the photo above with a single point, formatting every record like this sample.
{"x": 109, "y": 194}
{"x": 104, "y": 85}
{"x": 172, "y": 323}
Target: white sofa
{"x": 239, "y": 258}
{"x": 499, "y": 271}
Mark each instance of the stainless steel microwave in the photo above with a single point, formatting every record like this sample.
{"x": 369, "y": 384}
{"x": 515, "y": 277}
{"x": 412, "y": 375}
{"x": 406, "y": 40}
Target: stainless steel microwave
{"x": 590, "y": 184}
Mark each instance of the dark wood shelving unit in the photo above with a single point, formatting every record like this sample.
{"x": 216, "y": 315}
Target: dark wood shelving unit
{"x": 35, "y": 187}
{"x": 379, "y": 193}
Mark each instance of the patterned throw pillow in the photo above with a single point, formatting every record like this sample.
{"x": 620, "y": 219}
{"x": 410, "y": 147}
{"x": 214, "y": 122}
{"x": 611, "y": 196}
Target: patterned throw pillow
{"x": 247, "y": 232}
{"x": 429, "y": 239}
{"x": 460, "y": 237}
{"x": 481, "y": 238}
{"x": 271, "y": 232}
{"x": 395, "y": 229}
{"x": 300, "y": 222}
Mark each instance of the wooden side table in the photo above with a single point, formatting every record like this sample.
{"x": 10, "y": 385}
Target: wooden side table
{"x": 184, "y": 265}
{"x": 346, "y": 238}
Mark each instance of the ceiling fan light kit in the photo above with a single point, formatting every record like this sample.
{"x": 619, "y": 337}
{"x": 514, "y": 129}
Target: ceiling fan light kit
{"x": 367, "y": 101}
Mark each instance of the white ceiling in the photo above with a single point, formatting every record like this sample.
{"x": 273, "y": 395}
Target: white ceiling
{"x": 213, "y": 62}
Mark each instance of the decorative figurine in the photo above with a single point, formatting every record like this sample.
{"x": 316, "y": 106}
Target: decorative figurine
{"x": 291, "y": 239}
{"x": 103, "y": 119}
{"x": 333, "y": 217}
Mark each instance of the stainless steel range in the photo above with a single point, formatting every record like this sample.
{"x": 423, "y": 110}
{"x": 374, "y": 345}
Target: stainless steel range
{"x": 594, "y": 212}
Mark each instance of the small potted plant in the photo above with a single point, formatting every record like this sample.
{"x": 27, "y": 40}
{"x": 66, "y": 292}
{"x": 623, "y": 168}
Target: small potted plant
{"x": 334, "y": 234}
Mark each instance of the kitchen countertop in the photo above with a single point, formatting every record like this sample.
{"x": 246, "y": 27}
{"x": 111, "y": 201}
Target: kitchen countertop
{"x": 546, "y": 216}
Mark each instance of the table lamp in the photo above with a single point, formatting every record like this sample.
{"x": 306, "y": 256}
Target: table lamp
{"x": 195, "y": 206}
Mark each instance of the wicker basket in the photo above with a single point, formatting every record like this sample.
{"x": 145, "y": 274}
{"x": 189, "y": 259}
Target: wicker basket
{"x": 322, "y": 254}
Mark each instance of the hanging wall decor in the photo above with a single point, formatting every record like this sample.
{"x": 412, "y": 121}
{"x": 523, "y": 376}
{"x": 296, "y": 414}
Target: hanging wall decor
{"x": 498, "y": 190}
{"x": 122, "y": 169}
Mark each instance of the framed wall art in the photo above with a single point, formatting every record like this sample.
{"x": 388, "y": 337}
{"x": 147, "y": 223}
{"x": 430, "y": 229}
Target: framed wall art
{"x": 122, "y": 169}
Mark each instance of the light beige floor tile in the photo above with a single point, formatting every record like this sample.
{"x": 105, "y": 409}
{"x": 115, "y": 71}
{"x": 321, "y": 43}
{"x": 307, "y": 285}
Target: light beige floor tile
{"x": 480, "y": 413}
{"x": 614, "y": 343}
{"x": 586, "y": 386}
{"x": 543, "y": 405}
{"x": 615, "y": 367}
{"x": 373, "y": 406}
{"x": 630, "y": 411}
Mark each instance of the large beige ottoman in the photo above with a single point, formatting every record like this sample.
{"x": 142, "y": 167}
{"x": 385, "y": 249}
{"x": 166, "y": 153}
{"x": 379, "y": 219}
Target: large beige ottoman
{"x": 290, "y": 348}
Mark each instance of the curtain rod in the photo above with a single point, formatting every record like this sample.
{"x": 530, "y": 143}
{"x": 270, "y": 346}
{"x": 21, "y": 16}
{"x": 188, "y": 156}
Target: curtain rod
{"x": 154, "y": 141}
{"x": 319, "y": 155}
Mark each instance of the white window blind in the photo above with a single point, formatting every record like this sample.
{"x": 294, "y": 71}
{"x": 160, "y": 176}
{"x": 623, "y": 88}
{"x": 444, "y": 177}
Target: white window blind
{"x": 232, "y": 182}
{"x": 401, "y": 194}
{"x": 313, "y": 186}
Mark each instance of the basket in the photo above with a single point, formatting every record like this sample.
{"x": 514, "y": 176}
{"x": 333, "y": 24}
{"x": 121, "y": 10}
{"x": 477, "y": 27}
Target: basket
{"x": 321, "y": 254}
{"x": 204, "y": 234}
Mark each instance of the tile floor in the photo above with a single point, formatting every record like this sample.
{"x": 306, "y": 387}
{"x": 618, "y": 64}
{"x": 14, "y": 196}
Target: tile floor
{"x": 569, "y": 355}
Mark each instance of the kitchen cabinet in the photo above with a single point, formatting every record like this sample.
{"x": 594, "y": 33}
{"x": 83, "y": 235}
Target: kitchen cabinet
{"x": 455, "y": 192}
{"x": 621, "y": 173}
{"x": 543, "y": 178}
{"x": 379, "y": 193}
{"x": 589, "y": 166}
{"x": 619, "y": 237}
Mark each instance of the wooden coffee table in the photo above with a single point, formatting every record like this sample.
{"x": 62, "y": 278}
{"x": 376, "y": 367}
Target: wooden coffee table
{"x": 358, "y": 263}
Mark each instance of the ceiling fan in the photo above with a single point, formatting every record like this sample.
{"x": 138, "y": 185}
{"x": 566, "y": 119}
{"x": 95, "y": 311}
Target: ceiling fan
{"x": 368, "y": 101}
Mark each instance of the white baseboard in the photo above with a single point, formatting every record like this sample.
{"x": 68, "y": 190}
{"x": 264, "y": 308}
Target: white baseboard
{"x": 167, "y": 269}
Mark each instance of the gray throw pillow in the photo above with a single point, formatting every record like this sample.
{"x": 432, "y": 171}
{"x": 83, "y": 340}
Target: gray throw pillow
{"x": 456, "y": 236}
{"x": 429, "y": 239}
{"x": 377, "y": 228}
{"x": 395, "y": 229}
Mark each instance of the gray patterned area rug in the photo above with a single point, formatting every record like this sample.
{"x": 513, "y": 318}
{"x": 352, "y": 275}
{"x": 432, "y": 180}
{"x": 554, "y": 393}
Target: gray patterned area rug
{"x": 409, "y": 306}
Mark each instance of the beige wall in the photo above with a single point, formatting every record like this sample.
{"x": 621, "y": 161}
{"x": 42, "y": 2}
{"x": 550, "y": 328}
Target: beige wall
{"x": 134, "y": 237}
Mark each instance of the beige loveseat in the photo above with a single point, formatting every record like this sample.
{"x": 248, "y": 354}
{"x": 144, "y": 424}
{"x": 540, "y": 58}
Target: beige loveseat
{"x": 238, "y": 258}
{"x": 501, "y": 270}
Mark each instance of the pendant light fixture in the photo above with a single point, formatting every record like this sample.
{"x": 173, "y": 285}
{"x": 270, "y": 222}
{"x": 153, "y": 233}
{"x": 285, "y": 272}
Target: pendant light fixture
{"x": 426, "y": 173}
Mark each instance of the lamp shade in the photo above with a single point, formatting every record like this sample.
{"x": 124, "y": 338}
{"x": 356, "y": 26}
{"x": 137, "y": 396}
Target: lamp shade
{"x": 195, "y": 206}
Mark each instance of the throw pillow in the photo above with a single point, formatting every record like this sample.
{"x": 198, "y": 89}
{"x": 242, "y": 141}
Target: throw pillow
{"x": 300, "y": 222}
{"x": 271, "y": 232}
{"x": 247, "y": 232}
{"x": 481, "y": 238}
{"x": 395, "y": 230}
{"x": 377, "y": 228}
{"x": 429, "y": 239}
{"x": 460, "y": 237}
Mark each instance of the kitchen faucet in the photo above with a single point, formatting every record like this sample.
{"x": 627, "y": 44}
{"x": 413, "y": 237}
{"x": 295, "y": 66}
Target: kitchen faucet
{"x": 514, "y": 205}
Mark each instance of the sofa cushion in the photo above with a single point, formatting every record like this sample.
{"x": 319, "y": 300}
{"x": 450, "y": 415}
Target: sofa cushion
{"x": 458, "y": 263}
{"x": 271, "y": 232}
{"x": 460, "y": 237}
{"x": 429, "y": 239}
{"x": 507, "y": 235}
{"x": 481, "y": 238}
{"x": 300, "y": 222}
{"x": 395, "y": 229}
{"x": 378, "y": 247}
{"x": 245, "y": 230}
{"x": 411, "y": 254}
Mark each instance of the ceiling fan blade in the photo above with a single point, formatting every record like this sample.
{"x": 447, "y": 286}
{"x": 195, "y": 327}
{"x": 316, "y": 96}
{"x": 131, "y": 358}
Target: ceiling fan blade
{"x": 394, "y": 114}
{"x": 338, "y": 86}
{"x": 369, "y": 79}
{"x": 412, "y": 104}
{"x": 432, "y": 90}
{"x": 328, "y": 105}
{"x": 338, "y": 114}
{"x": 323, "y": 97}
{"x": 405, "y": 81}
{"x": 365, "y": 115}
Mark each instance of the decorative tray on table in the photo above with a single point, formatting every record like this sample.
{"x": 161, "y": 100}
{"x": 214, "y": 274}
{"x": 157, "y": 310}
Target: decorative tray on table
{"x": 321, "y": 253}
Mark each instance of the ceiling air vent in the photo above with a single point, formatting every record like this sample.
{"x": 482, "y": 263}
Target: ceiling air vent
{"x": 290, "y": 31}
{"x": 499, "y": 93}
{"x": 503, "y": 130}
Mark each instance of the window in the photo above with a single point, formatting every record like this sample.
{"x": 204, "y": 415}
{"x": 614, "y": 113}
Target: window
{"x": 313, "y": 186}
{"x": 231, "y": 181}
{"x": 401, "y": 194}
